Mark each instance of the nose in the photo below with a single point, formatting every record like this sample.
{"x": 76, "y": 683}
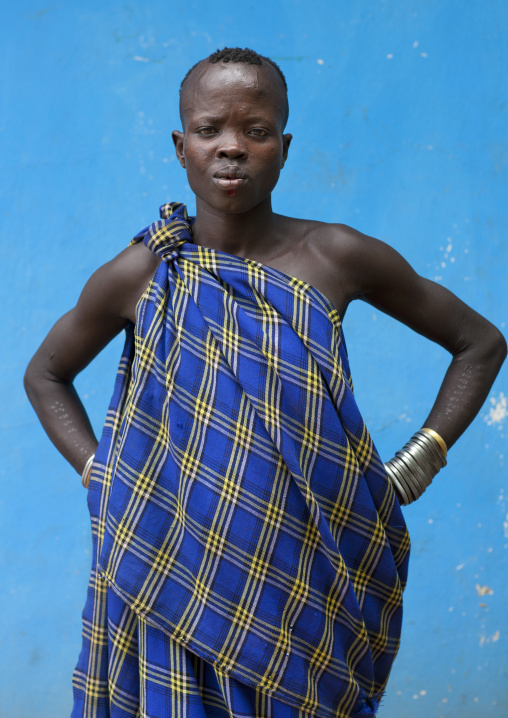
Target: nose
{"x": 232, "y": 145}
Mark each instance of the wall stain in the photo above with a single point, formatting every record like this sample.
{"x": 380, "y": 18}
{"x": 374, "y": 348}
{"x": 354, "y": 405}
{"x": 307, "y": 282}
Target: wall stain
{"x": 484, "y": 590}
{"x": 498, "y": 411}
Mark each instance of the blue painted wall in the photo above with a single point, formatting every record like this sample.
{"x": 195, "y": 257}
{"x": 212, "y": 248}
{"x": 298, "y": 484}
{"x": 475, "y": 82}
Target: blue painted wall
{"x": 399, "y": 116}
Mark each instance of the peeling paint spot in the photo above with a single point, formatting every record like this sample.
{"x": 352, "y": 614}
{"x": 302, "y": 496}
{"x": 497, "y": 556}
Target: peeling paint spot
{"x": 138, "y": 58}
{"x": 460, "y": 567}
{"x": 498, "y": 411}
{"x": 492, "y": 639}
{"x": 484, "y": 590}
{"x": 320, "y": 61}
{"x": 505, "y": 527}
{"x": 415, "y": 44}
{"x": 423, "y": 54}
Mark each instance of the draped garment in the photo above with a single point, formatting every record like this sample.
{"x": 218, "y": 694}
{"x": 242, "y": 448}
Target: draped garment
{"x": 237, "y": 499}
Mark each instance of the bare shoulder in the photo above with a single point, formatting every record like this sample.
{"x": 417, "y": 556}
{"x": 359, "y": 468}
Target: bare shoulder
{"x": 131, "y": 263}
{"x": 337, "y": 259}
{"x": 346, "y": 246}
{"x": 116, "y": 287}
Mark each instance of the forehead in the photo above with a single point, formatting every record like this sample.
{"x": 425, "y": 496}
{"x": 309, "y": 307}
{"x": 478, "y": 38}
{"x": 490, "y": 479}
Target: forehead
{"x": 231, "y": 85}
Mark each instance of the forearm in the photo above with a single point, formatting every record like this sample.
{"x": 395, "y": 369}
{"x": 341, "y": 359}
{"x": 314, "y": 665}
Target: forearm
{"x": 462, "y": 393}
{"x": 466, "y": 386}
{"x": 62, "y": 415}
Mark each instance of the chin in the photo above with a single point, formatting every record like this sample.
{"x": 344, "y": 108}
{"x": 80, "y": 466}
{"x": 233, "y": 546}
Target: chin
{"x": 236, "y": 204}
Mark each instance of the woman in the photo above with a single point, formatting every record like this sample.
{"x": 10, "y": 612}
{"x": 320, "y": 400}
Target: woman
{"x": 249, "y": 549}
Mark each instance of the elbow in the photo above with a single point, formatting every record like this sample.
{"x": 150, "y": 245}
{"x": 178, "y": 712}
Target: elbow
{"x": 29, "y": 380}
{"x": 497, "y": 347}
{"x": 34, "y": 376}
{"x": 38, "y": 377}
{"x": 487, "y": 349}
{"x": 503, "y": 347}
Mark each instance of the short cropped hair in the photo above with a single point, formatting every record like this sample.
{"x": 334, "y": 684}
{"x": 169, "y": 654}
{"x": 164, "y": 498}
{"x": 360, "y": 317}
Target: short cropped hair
{"x": 236, "y": 54}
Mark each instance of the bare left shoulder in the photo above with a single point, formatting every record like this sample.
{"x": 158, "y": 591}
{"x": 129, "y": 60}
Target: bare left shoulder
{"x": 365, "y": 260}
{"x": 346, "y": 264}
{"x": 339, "y": 260}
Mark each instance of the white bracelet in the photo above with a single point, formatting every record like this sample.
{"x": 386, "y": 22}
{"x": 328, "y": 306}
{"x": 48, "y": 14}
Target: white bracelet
{"x": 85, "y": 476}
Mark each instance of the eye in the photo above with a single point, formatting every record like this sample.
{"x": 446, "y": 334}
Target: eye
{"x": 206, "y": 131}
{"x": 258, "y": 132}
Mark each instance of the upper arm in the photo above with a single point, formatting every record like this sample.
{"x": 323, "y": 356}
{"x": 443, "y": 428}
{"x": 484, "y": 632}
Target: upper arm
{"x": 384, "y": 279}
{"x": 105, "y": 307}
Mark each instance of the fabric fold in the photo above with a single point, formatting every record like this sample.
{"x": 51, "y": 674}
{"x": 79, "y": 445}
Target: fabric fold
{"x": 239, "y": 502}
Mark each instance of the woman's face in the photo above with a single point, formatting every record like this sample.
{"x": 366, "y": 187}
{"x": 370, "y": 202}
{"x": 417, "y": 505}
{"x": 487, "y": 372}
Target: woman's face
{"x": 232, "y": 145}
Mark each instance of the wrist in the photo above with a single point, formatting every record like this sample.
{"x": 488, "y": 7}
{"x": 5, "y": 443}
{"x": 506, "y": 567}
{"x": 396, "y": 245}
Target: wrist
{"x": 85, "y": 475}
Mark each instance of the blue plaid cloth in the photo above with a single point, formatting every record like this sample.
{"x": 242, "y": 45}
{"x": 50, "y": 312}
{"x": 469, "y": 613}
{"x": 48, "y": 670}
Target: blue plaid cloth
{"x": 238, "y": 504}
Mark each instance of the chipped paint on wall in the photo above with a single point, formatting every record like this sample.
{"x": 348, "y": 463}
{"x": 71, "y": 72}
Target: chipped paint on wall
{"x": 498, "y": 410}
{"x": 484, "y": 590}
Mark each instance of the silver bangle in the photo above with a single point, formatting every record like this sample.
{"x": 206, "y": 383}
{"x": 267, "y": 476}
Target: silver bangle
{"x": 412, "y": 468}
{"x": 412, "y": 465}
{"x": 430, "y": 449}
{"x": 85, "y": 476}
{"x": 394, "y": 478}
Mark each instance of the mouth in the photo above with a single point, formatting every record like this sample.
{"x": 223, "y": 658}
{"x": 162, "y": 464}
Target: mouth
{"x": 230, "y": 177}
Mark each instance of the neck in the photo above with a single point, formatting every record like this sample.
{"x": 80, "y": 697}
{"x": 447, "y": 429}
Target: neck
{"x": 246, "y": 234}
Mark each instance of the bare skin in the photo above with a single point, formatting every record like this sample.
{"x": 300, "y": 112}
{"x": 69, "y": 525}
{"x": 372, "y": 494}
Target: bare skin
{"x": 233, "y": 147}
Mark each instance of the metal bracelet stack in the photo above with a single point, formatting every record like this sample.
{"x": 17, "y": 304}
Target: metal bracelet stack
{"x": 412, "y": 468}
{"x": 85, "y": 476}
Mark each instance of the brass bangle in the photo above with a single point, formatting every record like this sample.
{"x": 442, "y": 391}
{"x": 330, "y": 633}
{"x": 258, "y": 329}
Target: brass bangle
{"x": 438, "y": 438}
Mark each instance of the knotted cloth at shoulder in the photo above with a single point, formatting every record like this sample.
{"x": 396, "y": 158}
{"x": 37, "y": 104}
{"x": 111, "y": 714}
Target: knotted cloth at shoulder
{"x": 165, "y": 236}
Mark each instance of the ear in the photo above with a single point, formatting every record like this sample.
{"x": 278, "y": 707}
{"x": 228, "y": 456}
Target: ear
{"x": 178, "y": 142}
{"x": 286, "y": 141}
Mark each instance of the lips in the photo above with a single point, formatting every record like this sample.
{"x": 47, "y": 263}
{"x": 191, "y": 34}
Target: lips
{"x": 230, "y": 177}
